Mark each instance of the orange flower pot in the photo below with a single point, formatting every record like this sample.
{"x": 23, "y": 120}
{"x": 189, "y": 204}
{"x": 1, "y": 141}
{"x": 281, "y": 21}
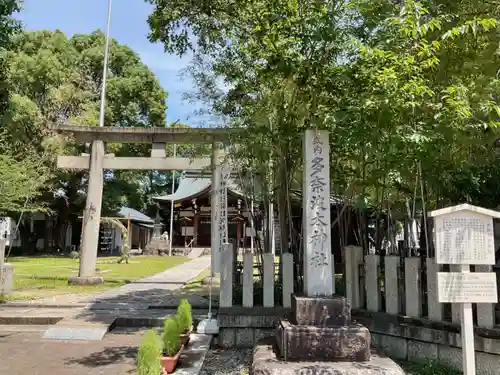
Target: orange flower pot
{"x": 169, "y": 364}
{"x": 185, "y": 337}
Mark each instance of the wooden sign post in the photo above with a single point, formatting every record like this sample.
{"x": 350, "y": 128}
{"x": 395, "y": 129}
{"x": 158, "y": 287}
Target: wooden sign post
{"x": 464, "y": 237}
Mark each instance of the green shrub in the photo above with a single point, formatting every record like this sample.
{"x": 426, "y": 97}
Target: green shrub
{"x": 184, "y": 316}
{"x": 430, "y": 368}
{"x": 148, "y": 357}
{"x": 171, "y": 336}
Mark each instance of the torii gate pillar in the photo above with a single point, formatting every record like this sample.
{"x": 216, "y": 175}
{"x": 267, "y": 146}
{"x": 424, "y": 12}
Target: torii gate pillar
{"x": 92, "y": 218}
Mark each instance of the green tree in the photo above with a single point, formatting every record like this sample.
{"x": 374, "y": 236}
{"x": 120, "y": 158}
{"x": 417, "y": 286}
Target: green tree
{"x": 57, "y": 80}
{"x": 8, "y": 26}
{"x": 23, "y": 175}
{"x": 406, "y": 89}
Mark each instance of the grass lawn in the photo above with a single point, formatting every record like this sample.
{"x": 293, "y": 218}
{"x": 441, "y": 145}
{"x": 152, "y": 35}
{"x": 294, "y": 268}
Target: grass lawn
{"x": 37, "y": 277}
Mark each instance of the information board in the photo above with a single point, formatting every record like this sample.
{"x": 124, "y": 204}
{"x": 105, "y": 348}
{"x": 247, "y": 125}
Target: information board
{"x": 475, "y": 287}
{"x": 464, "y": 238}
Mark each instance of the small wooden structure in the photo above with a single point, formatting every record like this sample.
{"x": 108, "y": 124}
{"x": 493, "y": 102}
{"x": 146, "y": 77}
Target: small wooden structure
{"x": 139, "y": 227}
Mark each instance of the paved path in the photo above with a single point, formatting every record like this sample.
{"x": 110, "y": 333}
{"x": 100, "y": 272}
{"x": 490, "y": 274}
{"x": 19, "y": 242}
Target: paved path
{"x": 26, "y": 353}
{"x": 154, "y": 289}
{"x": 159, "y": 289}
{"x": 101, "y": 311}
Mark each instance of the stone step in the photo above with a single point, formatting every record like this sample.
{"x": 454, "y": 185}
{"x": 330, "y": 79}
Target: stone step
{"x": 266, "y": 362}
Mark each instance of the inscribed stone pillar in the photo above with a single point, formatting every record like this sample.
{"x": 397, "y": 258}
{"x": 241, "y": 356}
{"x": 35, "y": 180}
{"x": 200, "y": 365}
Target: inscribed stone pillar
{"x": 215, "y": 209}
{"x": 92, "y": 215}
{"x": 316, "y": 214}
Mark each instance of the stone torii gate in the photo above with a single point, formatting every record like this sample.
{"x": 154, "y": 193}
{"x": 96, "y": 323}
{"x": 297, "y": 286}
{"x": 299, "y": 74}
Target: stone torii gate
{"x": 98, "y": 161}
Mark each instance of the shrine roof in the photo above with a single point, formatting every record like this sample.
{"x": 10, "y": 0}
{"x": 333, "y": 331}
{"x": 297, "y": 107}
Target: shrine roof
{"x": 134, "y": 215}
{"x": 191, "y": 187}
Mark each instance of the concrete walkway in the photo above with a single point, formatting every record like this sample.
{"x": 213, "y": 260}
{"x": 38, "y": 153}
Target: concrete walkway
{"x": 153, "y": 289}
{"x": 131, "y": 300}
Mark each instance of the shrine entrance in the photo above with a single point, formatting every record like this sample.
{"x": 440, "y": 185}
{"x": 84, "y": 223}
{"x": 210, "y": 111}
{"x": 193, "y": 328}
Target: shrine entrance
{"x": 98, "y": 161}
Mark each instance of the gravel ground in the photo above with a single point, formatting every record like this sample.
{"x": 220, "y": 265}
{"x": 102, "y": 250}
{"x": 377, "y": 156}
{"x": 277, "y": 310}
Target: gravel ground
{"x": 227, "y": 362}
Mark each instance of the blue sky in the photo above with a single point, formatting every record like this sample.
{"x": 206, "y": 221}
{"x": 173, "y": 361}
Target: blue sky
{"x": 128, "y": 26}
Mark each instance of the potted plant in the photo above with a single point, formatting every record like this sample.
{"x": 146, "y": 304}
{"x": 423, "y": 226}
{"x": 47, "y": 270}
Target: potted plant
{"x": 185, "y": 318}
{"x": 171, "y": 345}
{"x": 149, "y": 353}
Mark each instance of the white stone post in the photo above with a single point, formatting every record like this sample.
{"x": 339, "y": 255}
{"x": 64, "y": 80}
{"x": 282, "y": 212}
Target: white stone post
{"x": 413, "y": 301}
{"x": 455, "y": 307}
{"x": 391, "y": 284}
{"x": 226, "y": 277}
{"x": 485, "y": 311}
{"x": 287, "y": 259}
{"x": 248, "y": 279}
{"x": 3, "y": 242}
{"x": 92, "y": 217}
{"x": 353, "y": 258}
{"x": 434, "y": 308}
{"x": 318, "y": 278}
{"x": 69, "y": 236}
{"x": 268, "y": 259}
{"x": 372, "y": 263}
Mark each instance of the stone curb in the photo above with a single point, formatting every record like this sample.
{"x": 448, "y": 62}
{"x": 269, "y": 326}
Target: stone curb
{"x": 29, "y": 320}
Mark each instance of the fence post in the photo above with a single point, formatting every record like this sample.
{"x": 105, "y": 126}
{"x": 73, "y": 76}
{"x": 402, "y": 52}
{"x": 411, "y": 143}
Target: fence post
{"x": 287, "y": 282}
{"x": 248, "y": 279}
{"x": 485, "y": 311}
{"x": 434, "y": 308}
{"x": 3, "y": 241}
{"x": 455, "y": 307}
{"x": 353, "y": 258}
{"x": 268, "y": 285}
{"x": 391, "y": 284}
{"x": 413, "y": 299}
{"x": 372, "y": 282}
{"x": 226, "y": 277}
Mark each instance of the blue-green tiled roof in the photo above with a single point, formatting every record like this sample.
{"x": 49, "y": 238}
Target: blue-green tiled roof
{"x": 190, "y": 187}
{"x": 135, "y": 215}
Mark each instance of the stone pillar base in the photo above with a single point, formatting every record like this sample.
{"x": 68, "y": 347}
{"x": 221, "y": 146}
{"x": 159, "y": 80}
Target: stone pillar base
{"x": 85, "y": 280}
{"x": 320, "y": 311}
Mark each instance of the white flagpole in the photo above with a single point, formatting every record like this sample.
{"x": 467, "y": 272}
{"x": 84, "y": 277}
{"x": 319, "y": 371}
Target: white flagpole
{"x": 105, "y": 68}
